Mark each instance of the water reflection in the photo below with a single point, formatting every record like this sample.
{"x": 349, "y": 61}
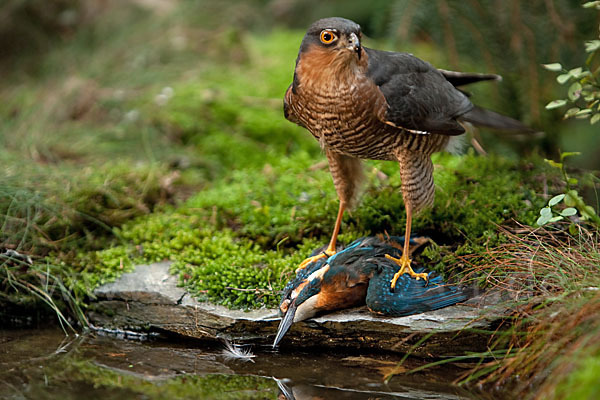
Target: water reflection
{"x": 289, "y": 391}
{"x": 44, "y": 364}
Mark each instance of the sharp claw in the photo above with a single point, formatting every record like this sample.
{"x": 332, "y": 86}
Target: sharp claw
{"x": 405, "y": 268}
{"x": 309, "y": 260}
{"x": 393, "y": 283}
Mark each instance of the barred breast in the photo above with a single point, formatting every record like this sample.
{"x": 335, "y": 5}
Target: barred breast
{"x": 343, "y": 117}
{"x": 345, "y": 111}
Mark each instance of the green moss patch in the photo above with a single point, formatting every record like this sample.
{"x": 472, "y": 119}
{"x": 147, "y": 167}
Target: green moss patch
{"x": 582, "y": 383}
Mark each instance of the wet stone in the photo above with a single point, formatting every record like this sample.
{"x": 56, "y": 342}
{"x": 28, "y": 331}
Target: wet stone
{"x": 148, "y": 300}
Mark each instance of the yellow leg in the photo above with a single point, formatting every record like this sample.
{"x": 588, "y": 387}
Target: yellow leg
{"x": 331, "y": 247}
{"x": 404, "y": 261}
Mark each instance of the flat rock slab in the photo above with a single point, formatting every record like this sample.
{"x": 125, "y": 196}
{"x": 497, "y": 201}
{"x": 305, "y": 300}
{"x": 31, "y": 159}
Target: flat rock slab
{"x": 149, "y": 300}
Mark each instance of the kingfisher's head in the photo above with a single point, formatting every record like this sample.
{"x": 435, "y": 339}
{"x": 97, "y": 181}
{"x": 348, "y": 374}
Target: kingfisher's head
{"x": 328, "y": 284}
{"x": 300, "y": 297}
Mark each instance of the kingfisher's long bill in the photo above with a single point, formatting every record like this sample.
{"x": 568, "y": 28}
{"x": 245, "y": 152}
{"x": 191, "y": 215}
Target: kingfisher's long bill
{"x": 286, "y": 322}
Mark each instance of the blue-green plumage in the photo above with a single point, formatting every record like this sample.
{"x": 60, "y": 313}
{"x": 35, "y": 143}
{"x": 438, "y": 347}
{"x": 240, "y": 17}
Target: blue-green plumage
{"x": 361, "y": 274}
{"x": 411, "y": 296}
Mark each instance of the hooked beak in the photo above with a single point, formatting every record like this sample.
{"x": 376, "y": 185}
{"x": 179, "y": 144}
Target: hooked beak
{"x": 354, "y": 44}
{"x": 286, "y": 322}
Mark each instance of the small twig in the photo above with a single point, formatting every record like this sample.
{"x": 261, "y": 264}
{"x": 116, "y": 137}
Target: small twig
{"x": 256, "y": 290}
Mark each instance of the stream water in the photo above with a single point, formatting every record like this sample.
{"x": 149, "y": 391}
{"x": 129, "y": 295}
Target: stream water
{"x": 46, "y": 364}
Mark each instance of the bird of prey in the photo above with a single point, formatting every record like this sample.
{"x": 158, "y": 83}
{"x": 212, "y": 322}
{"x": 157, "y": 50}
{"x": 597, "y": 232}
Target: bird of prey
{"x": 358, "y": 275}
{"x": 361, "y": 103}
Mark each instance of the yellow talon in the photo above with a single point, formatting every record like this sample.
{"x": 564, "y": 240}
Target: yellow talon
{"x": 330, "y": 250}
{"x": 405, "y": 268}
{"x": 309, "y": 260}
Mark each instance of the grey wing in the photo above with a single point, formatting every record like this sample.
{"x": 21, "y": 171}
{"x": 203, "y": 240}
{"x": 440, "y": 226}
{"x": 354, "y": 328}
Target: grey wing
{"x": 419, "y": 97}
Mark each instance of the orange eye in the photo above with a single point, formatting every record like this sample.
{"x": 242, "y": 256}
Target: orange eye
{"x": 328, "y": 37}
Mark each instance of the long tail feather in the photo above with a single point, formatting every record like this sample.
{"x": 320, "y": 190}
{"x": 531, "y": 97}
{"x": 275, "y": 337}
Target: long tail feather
{"x": 465, "y": 78}
{"x": 481, "y": 117}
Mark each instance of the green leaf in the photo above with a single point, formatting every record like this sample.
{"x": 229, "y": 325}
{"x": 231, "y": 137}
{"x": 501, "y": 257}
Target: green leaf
{"x": 546, "y": 212}
{"x": 543, "y": 220}
{"x": 573, "y": 181}
{"x": 555, "y": 104}
{"x": 567, "y": 212}
{"x": 555, "y": 67}
{"x": 556, "y": 199}
{"x": 591, "y": 4}
{"x": 566, "y": 154}
{"x": 574, "y": 91}
{"x": 582, "y": 75}
{"x": 553, "y": 163}
{"x": 571, "y": 198}
{"x": 563, "y": 78}
{"x": 592, "y": 45}
{"x": 588, "y": 211}
{"x": 575, "y": 72}
{"x": 571, "y": 112}
{"x": 595, "y": 119}
{"x": 554, "y": 219}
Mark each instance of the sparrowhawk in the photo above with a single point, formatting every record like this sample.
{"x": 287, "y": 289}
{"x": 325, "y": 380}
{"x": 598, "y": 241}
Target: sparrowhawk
{"x": 361, "y": 103}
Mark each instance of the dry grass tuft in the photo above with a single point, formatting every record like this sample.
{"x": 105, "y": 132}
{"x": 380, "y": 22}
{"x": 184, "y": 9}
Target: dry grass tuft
{"x": 554, "y": 278}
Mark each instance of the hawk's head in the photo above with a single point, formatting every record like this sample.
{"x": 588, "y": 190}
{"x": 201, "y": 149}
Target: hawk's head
{"x": 337, "y": 35}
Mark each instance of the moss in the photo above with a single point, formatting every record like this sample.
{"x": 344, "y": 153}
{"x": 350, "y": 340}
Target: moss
{"x": 287, "y": 201}
{"x": 237, "y": 273}
{"x": 582, "y": 382}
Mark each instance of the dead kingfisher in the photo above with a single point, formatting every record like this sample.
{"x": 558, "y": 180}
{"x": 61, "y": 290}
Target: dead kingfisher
{"x": 358, "y": 275}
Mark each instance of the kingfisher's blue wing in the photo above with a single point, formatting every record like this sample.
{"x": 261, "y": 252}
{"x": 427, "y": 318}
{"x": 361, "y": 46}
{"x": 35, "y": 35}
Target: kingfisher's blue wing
{"x": 411, "y": 296}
